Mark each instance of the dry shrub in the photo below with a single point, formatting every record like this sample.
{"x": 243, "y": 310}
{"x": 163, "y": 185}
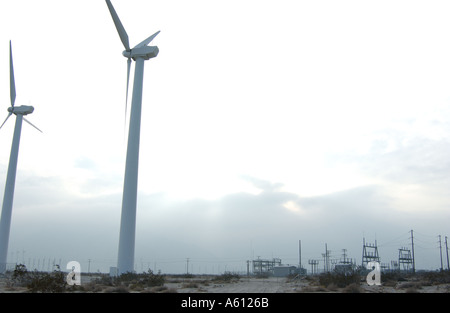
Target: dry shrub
{"x": 390, "y": 283}
{"x": 227, "y": 277}
{"x": 47, "y": 282}
{"x": 137, "y": 287}
{"x": 169, "y": 290}
{"x": 117, "y": 289}
{"x": 411, "y": 290}
{"x": 190, "y": 285}
{"x": 310, "y": 289}
{"x": 340, "y": 280}
{"x": 93, "y": 287}
{"x": 410, "y": 285}
{"x": 332, "y": 287}
{"x": 306, "y": 289}
{"x": 159, "y": 288}
{"x": 437, "y": 278}
{"x": 353, "y": 288}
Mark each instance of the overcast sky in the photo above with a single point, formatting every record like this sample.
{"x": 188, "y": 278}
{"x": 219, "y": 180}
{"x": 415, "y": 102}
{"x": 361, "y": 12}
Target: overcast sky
{"x": 263, "y": 123}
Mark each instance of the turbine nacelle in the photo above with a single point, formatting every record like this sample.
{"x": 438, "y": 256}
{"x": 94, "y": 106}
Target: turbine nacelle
{"x": 145, "y": 52}
{"x": 23, "y": 109}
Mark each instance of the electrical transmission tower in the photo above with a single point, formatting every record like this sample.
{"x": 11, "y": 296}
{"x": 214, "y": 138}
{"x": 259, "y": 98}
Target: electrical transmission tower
{"x": 314, "y": 264}
{"x": 370, "y": 253}
{"x": 344, "y": 259}
{"x": 405, "y": 259}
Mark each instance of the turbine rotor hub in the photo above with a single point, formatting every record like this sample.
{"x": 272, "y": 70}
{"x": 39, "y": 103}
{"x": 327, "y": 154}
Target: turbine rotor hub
{"x": 127, "y": 53}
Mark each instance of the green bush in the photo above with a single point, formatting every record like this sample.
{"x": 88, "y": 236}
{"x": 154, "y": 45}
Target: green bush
{"x": 47, "y": 282}
{"x": 20, "y": 275}
{"x": 148, "y": 279}
{"x": 442, "y": 277}
{"x": 151, "y": 280}
{"x": 39, "y": 282}
{"x": 393, "y": 276}
{"x": 227, "y": 277}
{"x": 340, "y": 280}
{"x": 353, "y": 288}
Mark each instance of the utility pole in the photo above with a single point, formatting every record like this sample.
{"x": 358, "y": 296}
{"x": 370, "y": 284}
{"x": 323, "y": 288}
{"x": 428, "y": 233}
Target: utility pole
{"x": 412, "y": 248}
{"x": 364, "y": 248}
{"x": 324, "y": 262}
{"x": 440, "y": 250}
{"x": 446, "y": 249}
{"x": 326, "y": 259}
{"x": 300, "y": 253}
{"x": 187, "y": 266}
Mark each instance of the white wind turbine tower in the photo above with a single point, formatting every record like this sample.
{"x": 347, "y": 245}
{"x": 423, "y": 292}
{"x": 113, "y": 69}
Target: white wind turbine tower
{"x": 20, "y": 111}
{"x": 140, "y": 53}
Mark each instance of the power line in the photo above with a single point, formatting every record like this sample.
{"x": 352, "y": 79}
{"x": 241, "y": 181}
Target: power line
{"x": 425, "y": 235}
{"x": 396, "y": 240}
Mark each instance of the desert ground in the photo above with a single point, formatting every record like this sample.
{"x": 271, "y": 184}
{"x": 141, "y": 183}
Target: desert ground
{"x": 432, "y": 283}
{"x": 302, "y": 285}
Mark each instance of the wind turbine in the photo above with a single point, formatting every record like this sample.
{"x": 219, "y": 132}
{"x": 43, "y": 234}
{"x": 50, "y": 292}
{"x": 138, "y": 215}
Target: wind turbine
{"x": 20, "y": 112}
{"x": 139, "y": 53}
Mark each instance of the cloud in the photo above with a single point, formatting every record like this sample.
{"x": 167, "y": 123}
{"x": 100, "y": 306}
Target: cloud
{"x": 54, "y": 222}
{"x": 86, "y": 163}
{"x": 229, "y": 224}
{"x": 419, "y": 161}
{"x": 262, "y": 184}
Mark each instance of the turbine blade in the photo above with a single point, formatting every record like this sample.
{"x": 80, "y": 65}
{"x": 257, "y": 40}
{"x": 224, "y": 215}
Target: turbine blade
{"x": 128, "y": 83}
{"x": 12, "y": 83}
{"x": 120, "y": 29}
{"x": 31, "y": 124}
{"x": 147, "y": 41}
{"x": 6, "y": 119}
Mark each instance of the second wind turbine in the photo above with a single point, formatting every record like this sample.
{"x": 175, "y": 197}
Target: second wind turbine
{"x": 139, "y": 53}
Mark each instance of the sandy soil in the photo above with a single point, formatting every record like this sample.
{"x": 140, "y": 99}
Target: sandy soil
{"x": 244, "y": 285}
{"x": 283, "y": 285}
{"x": 208, "y": 284}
